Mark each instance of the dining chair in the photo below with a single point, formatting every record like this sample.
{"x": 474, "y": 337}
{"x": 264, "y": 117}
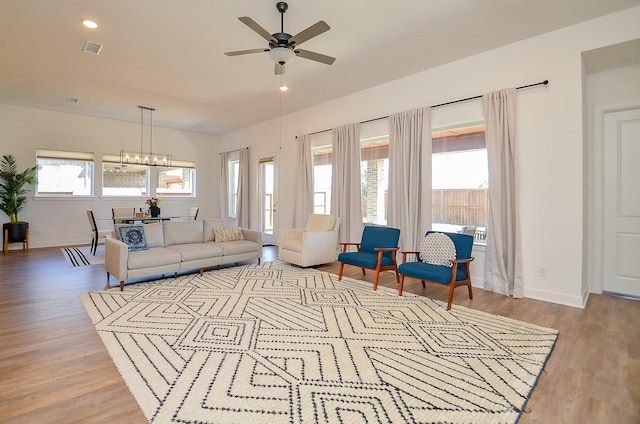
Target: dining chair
{"x": 95, "y": 233}
{"x": 376, "y": 250}
{"x": 193, "y": 212}
{"x": 123, "y": 215}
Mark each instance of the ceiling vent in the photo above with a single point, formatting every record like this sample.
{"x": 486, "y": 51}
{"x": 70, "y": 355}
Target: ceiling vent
{"x": 91, "y": 47}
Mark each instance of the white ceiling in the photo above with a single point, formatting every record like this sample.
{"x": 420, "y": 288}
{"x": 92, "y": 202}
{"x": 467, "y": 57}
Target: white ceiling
{"x": 169, "y": 54}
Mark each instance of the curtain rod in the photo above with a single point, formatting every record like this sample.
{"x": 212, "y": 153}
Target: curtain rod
{"x": 545, "y": 82}
{"x": 236, "y": 150}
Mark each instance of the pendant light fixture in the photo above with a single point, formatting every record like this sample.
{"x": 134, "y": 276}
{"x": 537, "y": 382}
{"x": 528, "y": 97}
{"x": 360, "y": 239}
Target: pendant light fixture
{"x": 141, "y": 157}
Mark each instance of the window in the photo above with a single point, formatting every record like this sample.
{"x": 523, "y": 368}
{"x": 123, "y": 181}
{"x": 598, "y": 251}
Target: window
{"x": 234, "y": 172}
{"x": 177, "y": 180}
{"x": 123, "y": 179}
{"x": 460, "y": 180}
{"x": 64, "y": 173}
{"x": 322, "y": 179}
{"x": 374, "y": 169}
{"x": 374, "y": 172}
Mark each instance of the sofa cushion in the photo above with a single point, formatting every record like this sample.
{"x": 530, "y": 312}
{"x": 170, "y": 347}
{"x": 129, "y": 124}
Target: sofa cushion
{"x": 293, "y": 245}
{"x": 210, "y": 224}
{"x": 317, "y": 222}
{"x": 133, "y": 235}
{"x": 236, "y": 247}
{"x": 437, "y": 249}
{"x": 228, "y": 234}
{"x": 151, "y": 258}
{"x": 154, "y": 234}
{"x": 195, "y": 251}
{"x": 182, "y": 232}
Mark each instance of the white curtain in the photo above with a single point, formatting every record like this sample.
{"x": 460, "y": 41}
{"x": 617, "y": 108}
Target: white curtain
{"x": 303, "y": 201}
{"x": 224, "y": 185}
{"x": 345, "y": 181}
{"x": 242, "y": 199}
{"x": 503, "y": 264}
{"x": 408, "y": 132}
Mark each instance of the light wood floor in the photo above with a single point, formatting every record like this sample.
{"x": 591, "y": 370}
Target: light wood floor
{"x": 55, "y": 369}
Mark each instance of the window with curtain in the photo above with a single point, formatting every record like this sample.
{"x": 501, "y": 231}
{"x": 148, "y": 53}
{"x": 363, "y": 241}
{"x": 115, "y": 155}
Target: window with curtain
{"x": 124, "y": 179}
{"x": 460, "y": 179}
{"x": 321, "y": 179}
{"x": 374, "y": 172}
{"x": 234, "y": 172}
{"x": 179, "y": 180}
{"x": 64, "y": 173}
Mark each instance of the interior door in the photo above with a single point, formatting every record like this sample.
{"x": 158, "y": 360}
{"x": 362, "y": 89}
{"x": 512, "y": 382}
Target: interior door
{"x": 621, "y": 261}
{"x": 268, "y": 199}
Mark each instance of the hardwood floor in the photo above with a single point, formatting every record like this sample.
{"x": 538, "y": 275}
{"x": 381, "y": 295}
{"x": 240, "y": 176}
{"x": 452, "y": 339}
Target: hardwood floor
{"x": 55, "y": 369}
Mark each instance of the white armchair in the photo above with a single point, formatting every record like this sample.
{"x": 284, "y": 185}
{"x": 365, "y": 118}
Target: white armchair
{"x": 315, "y": 244}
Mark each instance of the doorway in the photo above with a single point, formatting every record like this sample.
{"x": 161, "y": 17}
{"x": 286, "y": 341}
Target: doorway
{"x": 268, "y": 198}
{"x": 621, "y": 202}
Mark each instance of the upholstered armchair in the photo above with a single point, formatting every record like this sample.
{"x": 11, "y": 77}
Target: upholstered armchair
{"x": 376, "y": 250}
{"x": 444, "y": 258}
{"x": 315, "y": 244}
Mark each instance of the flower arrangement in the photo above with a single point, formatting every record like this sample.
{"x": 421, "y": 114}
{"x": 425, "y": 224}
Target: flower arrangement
{"x": 152, "y": 201}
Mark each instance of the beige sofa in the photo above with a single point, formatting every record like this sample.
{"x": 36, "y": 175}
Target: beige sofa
{"x": 172, "y": 247}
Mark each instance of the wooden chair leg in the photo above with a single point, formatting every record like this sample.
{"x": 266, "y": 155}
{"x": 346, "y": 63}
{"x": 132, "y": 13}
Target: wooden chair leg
{"x": 121, "y": 285}
{"x": 341, "y": 269}
{"x": 375, "y": 280}
{"x": 363, "y": 271}
{"x": 401, "y": 285}
{"x": 470, "y": 290}
{"x": 452, "y": 286}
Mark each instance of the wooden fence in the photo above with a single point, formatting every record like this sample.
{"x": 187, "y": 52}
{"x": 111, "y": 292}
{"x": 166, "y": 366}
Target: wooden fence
{"x": 460, "y": 206}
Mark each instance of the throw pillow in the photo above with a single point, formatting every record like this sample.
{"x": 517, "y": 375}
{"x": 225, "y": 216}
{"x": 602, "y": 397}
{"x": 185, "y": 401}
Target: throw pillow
{"x": 437, "y": 249}
{"x": 228, "y": 234}
{"x": 133, "y": 236}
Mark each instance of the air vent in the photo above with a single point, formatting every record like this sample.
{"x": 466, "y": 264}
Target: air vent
{"x": 91, "y": 47}
{"x": 72, "y": 100}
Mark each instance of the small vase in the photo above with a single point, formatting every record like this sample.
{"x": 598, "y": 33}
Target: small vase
{"x": 155, "y": 211}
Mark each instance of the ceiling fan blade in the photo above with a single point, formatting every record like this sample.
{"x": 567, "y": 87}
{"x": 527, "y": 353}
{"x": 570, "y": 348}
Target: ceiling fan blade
{"x": 279, "y": 69}
{"x": 315, "y": 56}
{"x": 314, "y": 30}
{"x": 240, "y": 52}
{"x": 257, "y": 28}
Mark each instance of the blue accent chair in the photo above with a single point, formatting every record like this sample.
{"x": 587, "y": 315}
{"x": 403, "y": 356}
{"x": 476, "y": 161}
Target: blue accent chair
{"x": 458, "y": 275}
{"x": 377, "y": 250}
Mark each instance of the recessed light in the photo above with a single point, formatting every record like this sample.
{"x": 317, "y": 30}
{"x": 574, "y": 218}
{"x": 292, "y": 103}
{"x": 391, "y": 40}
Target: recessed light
{"x": 283, "y": 88}
{"x": 89, "y": 24}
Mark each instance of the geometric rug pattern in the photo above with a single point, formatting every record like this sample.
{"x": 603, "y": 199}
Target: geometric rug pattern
{"x": 82, "y": 256}
{"x": 272, "y": 343}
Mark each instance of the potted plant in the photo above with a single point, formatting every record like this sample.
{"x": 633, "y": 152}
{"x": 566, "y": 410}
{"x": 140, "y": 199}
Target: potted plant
{"x": 13, "y": 197}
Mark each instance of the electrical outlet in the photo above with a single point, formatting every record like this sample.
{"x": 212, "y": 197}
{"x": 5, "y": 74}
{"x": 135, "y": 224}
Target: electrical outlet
{"x": 542, "y": 271}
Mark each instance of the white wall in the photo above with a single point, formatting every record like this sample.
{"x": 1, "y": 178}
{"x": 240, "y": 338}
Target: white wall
{"x": 549, "y": 136}
{"x": 59, "y": 222}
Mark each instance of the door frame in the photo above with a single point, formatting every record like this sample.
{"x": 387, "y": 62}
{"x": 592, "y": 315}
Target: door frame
{"x": 269, "y": 238}
{"x": 595, "y": 183}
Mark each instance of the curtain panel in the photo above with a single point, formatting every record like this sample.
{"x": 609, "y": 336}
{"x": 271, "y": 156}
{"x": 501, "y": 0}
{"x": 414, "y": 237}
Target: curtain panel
{"x": 242, "y": 199}
{"x": 345, "y": 181}
{"x": 409, "y": 131}
{"x": 303, "y": 204}
{"x": 224, "y": 185}
{"x": 503, "y": 263}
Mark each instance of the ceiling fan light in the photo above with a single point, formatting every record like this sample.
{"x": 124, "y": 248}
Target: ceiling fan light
{"x": 281, "y": 54}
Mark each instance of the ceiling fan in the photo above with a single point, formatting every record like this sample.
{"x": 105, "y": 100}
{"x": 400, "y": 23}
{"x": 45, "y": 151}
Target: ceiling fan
{"x": 283, "y": 46}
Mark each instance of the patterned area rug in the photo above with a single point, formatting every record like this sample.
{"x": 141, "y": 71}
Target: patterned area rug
{"x": 82, "y": 256}
{"x": 275, "y": 344}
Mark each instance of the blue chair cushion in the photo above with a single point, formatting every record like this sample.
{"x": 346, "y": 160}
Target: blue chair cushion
{"x": 364, "y": 259}
{"x": 425, "y": 271}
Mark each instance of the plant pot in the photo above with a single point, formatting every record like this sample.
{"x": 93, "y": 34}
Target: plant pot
{"x": 155, "y": 211}
{"x": 16, "y": 232}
